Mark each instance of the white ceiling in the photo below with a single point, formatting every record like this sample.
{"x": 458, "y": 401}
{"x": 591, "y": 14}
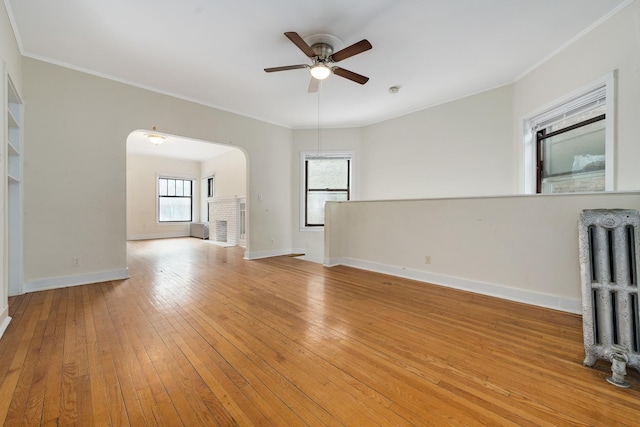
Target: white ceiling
{"x": 174, "y": 147}
{"x": 214, "y": 51}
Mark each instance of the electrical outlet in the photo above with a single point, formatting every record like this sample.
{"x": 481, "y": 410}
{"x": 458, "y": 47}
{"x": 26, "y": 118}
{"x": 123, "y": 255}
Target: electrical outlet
{"x": 427, "y": 259}
{"x": 75, "y": 261}
{"x": 272, "y": 241}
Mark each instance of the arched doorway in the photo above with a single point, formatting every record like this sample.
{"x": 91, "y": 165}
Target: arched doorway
{"x": 162, "y": 179}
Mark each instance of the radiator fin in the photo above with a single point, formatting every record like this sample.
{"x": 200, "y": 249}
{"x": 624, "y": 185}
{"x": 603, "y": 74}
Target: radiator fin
{"x": 608, "y": 266}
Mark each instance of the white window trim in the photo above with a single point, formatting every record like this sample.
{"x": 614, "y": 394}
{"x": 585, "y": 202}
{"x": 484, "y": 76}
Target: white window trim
{"x": 303, "y": 156}
{"x": 609, "y": 82}
{"x": 204, "y": 196}
{"x": 194, "y": 204}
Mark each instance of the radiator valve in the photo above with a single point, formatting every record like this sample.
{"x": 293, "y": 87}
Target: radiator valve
{"x": 618, "y": 357}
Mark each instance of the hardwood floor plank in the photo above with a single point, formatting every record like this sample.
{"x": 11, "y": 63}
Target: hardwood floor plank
{"x": 56, "y": 329}
{"x": 200, "y": 336}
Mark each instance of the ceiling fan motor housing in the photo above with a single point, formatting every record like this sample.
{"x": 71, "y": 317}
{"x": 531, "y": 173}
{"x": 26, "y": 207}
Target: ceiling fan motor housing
{"x": 323, "y": 51}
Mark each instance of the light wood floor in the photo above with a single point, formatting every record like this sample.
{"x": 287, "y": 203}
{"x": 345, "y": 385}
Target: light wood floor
{"x": 199, "y": 336}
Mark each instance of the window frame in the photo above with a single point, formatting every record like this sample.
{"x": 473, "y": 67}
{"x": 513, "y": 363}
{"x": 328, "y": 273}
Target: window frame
{"x": 541, "y": 135}
{"x": 304, "y": 156}
{"x": 531, "y": 149}
{"x": 210, "y": 187}
{"x": 158, "y": 197}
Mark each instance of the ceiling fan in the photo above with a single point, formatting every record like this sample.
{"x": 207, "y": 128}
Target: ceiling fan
{"x": 322, "y": 55}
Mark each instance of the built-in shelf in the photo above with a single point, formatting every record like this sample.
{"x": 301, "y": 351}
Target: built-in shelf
{"x": 14, "y": 169}
{"x": 12, "y": 120}
{"x": 13, "y": 182}
{"x": 11, "y": 149}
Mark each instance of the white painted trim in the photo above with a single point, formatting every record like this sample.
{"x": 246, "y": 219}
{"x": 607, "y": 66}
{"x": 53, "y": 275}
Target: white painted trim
{"x": 611, "y": 101}
{"x": 331, "y": 262}
{"x": 4, "y": 320}
{"x": 224, "y": 198}
{"x": 83, "y": 279}
{"x": 499, "y": 291}
{"x": 268, "y": 254}
{"x": 14, "y": 26}
{"x": 171, "y": 235}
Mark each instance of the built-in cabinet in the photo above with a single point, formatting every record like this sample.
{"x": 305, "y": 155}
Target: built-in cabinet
{"x": 13, "y": 193}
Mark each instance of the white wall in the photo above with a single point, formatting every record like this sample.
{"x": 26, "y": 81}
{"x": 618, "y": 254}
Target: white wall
{"x": 142, "y": 202}
{"x": 459, "y": 149}
{"x": 76, "y": 126}
{"x": 230, "y": 173}
{"x": 10, "y": 62}
{"x": 523, "y": 248}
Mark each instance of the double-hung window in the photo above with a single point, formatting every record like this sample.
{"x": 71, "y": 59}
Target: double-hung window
{"x": 572, "y": 144}
{"x": 327, "y": 177}
{"x": 175, "y": 199}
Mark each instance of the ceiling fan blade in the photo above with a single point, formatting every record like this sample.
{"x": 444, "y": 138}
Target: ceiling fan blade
{"x": 350, "y": 75}
{"x": 349, "y": 51}
{"x": 302, "y": 45}
{"x": 313, "y": 85}
{"x": 286, "y": 67}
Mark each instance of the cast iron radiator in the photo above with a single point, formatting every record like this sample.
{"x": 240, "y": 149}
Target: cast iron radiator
{"x": 609, "y": 258}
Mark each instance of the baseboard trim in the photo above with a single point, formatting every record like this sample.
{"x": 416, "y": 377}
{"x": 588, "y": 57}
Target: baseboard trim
{"x": 268, "y": 254}
{"x": 83, "y": 279}
{"x": 159, "y": 235}
{"x": 4, "y": 320}
{"x": 569, "y": 305}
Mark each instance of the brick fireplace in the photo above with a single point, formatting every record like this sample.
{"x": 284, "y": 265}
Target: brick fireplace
{"x": 223, "y": 219}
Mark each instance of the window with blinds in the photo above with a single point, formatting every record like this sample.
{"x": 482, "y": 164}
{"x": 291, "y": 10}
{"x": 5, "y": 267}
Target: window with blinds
{"x": 570, "y": 145}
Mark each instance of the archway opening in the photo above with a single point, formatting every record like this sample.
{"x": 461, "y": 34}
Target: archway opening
{"x": 179, "y": 186}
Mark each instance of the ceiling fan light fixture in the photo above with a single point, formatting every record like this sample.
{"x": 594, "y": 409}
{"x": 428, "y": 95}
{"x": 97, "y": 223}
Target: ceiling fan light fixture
{"x": 320, "y": 71}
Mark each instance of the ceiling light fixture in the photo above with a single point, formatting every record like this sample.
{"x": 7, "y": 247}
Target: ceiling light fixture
{"x": 154, "y": 138}
{"x": 320, "y": 71}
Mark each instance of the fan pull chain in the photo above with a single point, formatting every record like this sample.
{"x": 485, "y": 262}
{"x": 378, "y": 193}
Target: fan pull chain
{"x": 319, "y": 117}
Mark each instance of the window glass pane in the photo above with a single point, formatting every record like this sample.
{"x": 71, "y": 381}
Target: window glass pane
{"x": 171, "y": 187}
{"x": 327, "y": 173}
{"x": 210, "y": 187}
{"x": 315, "y": 204}
{"x": 174, "y": 209}
{"x": 162, "y": 187}
{"x": 179, "y": 188}
{"x": 187, "y": 188}
{"x": 575, "y": 161}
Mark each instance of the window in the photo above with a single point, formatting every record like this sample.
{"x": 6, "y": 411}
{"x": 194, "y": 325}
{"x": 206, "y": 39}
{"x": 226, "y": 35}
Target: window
{"x": 572, "y": 143}
{"x": 327, "y": 177}
{"x": 210, "y": 187}
{"x": 175, "y": 200}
